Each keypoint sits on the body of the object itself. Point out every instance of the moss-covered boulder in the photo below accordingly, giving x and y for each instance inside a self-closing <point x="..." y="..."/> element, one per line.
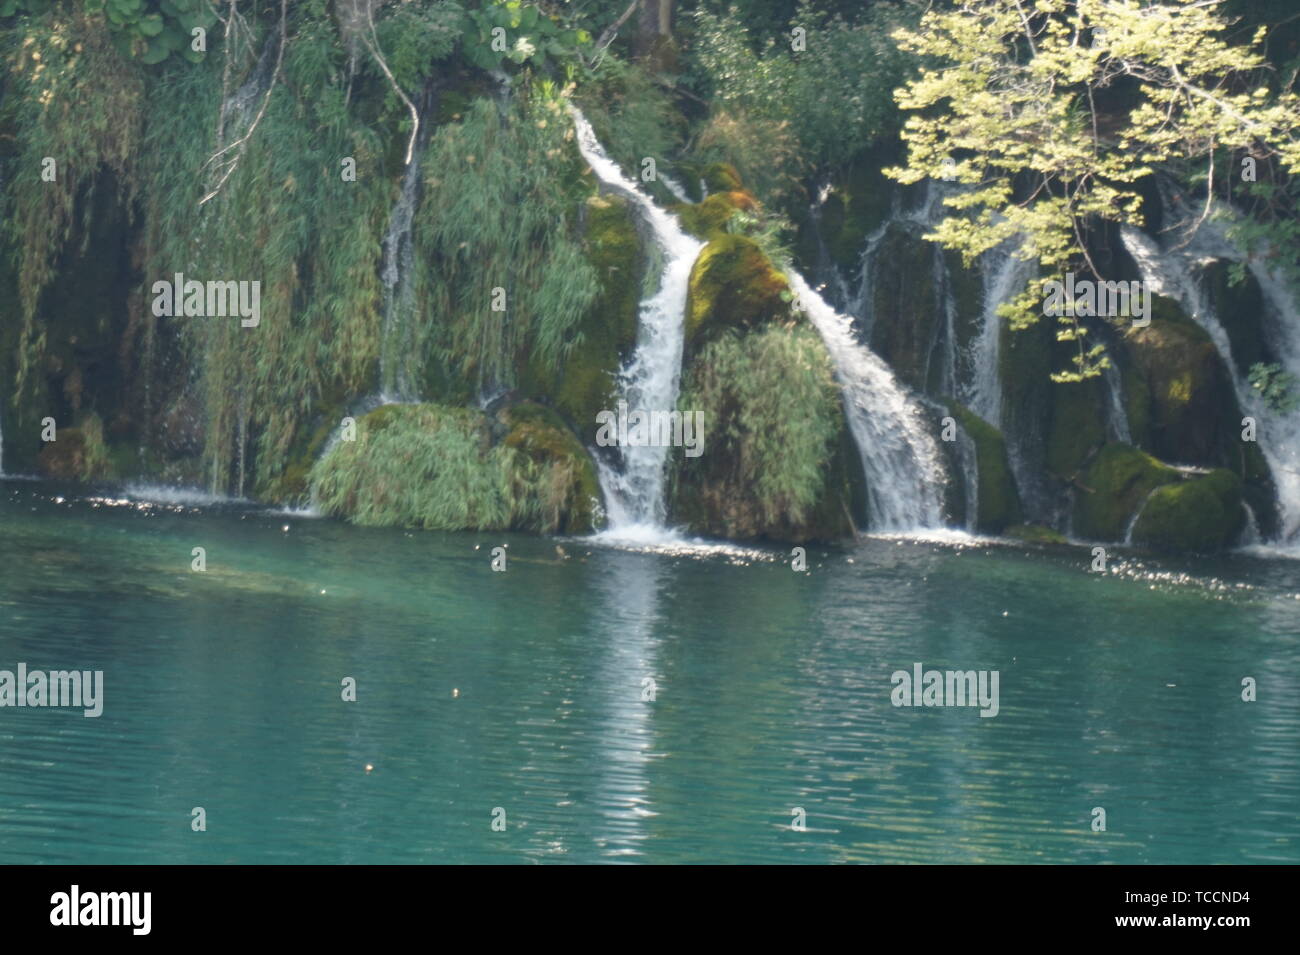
<point x="1182" y="406"/>
<point x="584" y="383"/>
<point x="708" y="220"/>
<point x="442" y="468"/>
<point x="777" y="461"/>
<point x="1115" y="484"/>
<point x="77" y="453"/>
<point x="1239" y="305"/>
<point x="1202" y="515"/>
<point x="714" y="177"/>
<point x="733" y="285"/>
<point x="570" y="499"/>
<point x="997" y="504"/>
<point x="907" y="312"/>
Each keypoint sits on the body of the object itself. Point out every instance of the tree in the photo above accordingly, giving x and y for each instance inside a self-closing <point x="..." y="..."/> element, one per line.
<point x="1051" y="112"/>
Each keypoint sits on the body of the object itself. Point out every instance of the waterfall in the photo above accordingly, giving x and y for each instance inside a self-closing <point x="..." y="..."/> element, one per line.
<point x="634" y="493"/>
<point x="1174" y="272"/>
<point x="675" y="187"/>
<point x="1116" y="416"/>
<point x="1004" y="275"/>
<point x="905" y="477"/>
<point x="397" y="344"/>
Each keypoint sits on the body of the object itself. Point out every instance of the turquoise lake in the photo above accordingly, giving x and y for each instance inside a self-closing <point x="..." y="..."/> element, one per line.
<point x="523" y="691"/>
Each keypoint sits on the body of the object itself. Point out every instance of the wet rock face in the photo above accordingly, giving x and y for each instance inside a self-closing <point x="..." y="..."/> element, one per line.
<point x="906" y="307"/>
<point x="1183" y="407"/>
<point x="997" y="503"/>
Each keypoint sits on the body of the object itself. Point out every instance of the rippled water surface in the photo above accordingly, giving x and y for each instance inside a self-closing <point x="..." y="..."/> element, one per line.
<point x="524" y="690"/>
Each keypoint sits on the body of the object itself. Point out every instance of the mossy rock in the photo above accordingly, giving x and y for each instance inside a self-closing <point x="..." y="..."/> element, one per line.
<point x="1077" y="426"/>
<point x="585" y="384"/>
<point x="774" y="470"/>
<point x="1201" y="515"/>
<point x="708" y="220"/>
<point x="1035" y="534"/>
<point x="716" y="177"/>
<point x="1116" y="483"/>
<point x="906" y="307"/>
<point x="1240" y="308"/>
<point x="77" y="453"/>
<point x="997" y="504"/>
<point x="542" y="435"/>
<point x="733" y="285"/>
<point x="441" y="468"/>
<point x="967" y="288"/>
<point x="857" y="204"/>
<point x="1184" y="405"/>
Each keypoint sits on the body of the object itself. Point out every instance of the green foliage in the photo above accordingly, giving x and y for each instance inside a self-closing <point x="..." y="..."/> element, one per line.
<point x="1278" y="388"/>
<point x="498" y="210"/>
<point x="415" y="38"/>
<point x="286" y="218"/>
<point x="526" y="32"/>
<point x="436" y="467"/>
<point x="71" y="98"/>
<point x="769" y="231"/>
<point x="633" y="116"/>
<point x="152" y="30"/>
<point x="1053" y="113"/>
<point x="788" y="109"/>
<point x="771" y="415"/>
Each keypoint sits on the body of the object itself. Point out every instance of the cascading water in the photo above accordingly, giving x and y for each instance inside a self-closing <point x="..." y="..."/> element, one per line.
<point x="1173" y="271"/>
<point x="1116" y="417"/>
<point x="905" y="476"/>
<point x="1004" y="275"/>
<point x="396" y="346"/>
<point x="634" y="494"/>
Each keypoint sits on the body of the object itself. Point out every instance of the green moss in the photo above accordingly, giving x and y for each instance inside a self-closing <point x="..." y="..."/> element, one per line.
<point x="1114" y="486"/>
<point x="1036" y="534"/>
<point x="583" y="383"/>
<point x="1199" y="515"/>
<point x="1077" y="427"/>
<point x="573" y="503"/>
<point x="707" y="220"/>
<point x="998" y="505"/>
<point x="1181" y="402"/>
<point x="717" y="177"/>
<point x="733" y="285"/>
<point x="439" y="468"/>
